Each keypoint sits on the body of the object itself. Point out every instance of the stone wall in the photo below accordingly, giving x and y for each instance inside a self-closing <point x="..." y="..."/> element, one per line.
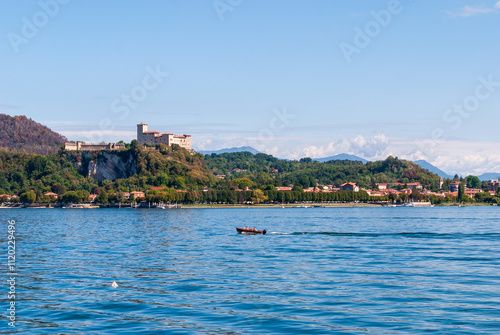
<point x="80" y="146"/>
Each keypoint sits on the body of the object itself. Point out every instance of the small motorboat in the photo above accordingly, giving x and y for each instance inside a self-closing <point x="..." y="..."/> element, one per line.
<point x="250" y="231"/>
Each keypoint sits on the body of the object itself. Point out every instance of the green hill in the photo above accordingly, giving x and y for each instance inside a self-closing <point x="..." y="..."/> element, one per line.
<point x="136" y="168"/>
<point x="262" y="168"/>
<point x="139" y="168"/>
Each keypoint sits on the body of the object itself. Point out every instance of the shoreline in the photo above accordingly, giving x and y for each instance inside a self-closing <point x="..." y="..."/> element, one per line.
<point x="309" y="205"/>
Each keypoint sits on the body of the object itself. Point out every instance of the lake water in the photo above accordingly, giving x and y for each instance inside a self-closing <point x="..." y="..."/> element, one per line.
<point x="317" y="271"/>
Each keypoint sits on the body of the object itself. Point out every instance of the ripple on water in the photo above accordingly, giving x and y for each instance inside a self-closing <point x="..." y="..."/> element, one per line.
<point x="321" y="270"/>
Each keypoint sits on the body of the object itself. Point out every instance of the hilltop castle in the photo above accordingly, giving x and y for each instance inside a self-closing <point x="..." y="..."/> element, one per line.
<point x="143" y="136"/>
<point x="154" y="137"/>
<point x="82" y="146"/>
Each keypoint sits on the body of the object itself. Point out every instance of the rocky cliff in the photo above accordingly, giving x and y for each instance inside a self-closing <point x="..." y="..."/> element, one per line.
<point x="108" y="165"/>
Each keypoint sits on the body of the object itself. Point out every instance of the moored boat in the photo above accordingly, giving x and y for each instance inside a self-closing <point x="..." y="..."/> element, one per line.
<point x="250" y="231"/>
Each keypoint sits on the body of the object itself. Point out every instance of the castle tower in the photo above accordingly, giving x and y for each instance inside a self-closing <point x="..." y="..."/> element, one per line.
<point x="141" y="128"/>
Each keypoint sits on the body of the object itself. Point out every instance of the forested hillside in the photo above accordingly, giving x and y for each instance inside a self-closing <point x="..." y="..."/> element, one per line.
<point x="262" y="168"/>
<point x="171" y="167"/>
<point x="140" y="168"/>
<point x="33" y="163"/>
<point x="19" y="132"/>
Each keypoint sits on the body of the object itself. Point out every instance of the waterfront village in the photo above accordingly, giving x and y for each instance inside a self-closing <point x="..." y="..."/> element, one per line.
<point x="382" y="193"/>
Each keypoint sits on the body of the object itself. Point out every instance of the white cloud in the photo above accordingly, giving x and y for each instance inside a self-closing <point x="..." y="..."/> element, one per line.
<point x="469" y="164"/>
<point x="470" y="11"/>
<point x="460" y="157"/>
<point x="368" y="147"/>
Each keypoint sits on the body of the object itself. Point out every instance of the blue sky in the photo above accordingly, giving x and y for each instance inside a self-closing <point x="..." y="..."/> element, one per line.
<point x="421" y="83"/>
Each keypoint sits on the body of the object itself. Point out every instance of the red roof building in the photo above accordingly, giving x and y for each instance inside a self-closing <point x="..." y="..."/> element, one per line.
<point x="157" y="188"/>
<point x="137" y="194"/>
<point x="349" y="187"/>
<point x="453" y="187"/>
<point x="283" y="188"/>
<point x="414" y="186"/>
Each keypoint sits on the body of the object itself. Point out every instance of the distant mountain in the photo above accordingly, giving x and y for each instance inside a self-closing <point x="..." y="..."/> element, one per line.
<point x="342" y="157"/>
<point x="489" y="176"/>
<point x="229" y="150"/>
<point x="433" y="169"/>
<point x="19" y="132"/>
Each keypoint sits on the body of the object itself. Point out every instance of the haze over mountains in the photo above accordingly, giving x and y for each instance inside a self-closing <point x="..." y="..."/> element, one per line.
<point x="342" y="157"/>
<point x="229" y="150"/>
<point x="432" y="168"/>
<point x="489" y="176"/>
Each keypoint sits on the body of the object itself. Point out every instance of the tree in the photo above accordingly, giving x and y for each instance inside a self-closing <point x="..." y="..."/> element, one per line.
<point x="473" y="182"/>
<point x="415" y="195"/>
<point x="134" y="144"/>
<point x="162" y="179"/>
<point x="120" y="197"/>
<point x="112" y="198"/>
<point x="84" y="195"/>
<point x="28" y="197"/>
<point x="258" y="196"/>
<point x="71" y="197"/>
<point x="179" y="183"/>
<point x="270" y="187"/>
<point x="102" y="198"/>
<point x="263" y="178"/>
<point x="58" y="188"/>
<point x="461" y="192"/>
<point x="306" y="160"/>
<point x="95" y="190"/>
<point x="243" y="182"/>
<point x="483" y="197"/>
<point x="404" y="197"/>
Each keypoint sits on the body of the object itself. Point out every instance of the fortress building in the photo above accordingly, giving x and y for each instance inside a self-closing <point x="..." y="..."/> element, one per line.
<point x="153" y="137"/>
<point x="82" y="146"/>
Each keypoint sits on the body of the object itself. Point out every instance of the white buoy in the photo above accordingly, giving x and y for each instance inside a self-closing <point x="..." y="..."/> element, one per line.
<point x="115" y="285"/>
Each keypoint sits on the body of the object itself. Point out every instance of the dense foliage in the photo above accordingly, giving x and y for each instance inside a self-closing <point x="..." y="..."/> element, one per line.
<point x="263" y="169"/>
<point x="65" y="171"/>
<point x="172" y="174"/>
<point x="32" y="164"/>
<point x="19" y="132"/>
<point x="21" y="172"/>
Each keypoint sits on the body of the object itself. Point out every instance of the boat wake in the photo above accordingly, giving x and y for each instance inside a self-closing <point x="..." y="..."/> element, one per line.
<point x="401" y="234"/>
